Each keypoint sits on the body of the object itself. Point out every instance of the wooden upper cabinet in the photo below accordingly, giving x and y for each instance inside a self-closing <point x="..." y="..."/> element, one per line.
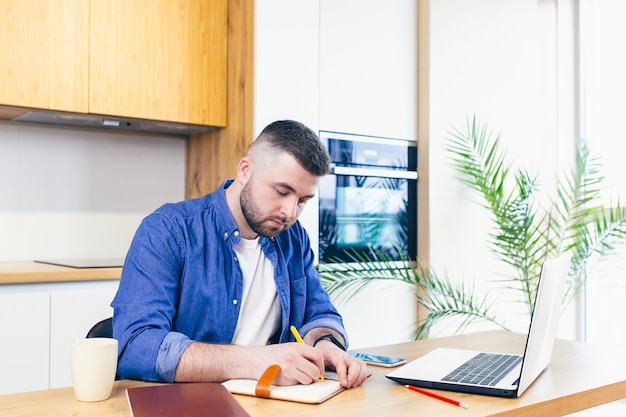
<point x="44" y="54"/>
<point x="159" y="60"/>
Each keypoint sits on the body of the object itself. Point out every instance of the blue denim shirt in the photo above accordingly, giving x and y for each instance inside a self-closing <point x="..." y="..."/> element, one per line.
<point x="181" y="282"/>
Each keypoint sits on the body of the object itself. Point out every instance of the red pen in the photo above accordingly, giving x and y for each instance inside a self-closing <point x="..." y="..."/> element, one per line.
<point x="437" y="396"/>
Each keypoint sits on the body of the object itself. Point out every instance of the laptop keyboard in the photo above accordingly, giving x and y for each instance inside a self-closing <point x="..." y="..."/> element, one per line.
<point x="484" y="369"/>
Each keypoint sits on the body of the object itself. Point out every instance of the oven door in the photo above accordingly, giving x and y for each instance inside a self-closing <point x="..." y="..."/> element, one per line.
<point x="365" y="211"/>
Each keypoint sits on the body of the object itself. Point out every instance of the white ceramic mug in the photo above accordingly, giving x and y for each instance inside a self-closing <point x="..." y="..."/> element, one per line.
<point x="94" y="364"/>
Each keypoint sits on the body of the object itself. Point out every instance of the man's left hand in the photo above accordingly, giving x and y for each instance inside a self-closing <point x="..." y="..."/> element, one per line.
<point x="351" y="371"/>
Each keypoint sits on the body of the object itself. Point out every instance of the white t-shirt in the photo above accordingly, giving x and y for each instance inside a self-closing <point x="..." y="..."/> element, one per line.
<point x="259" y="314"/>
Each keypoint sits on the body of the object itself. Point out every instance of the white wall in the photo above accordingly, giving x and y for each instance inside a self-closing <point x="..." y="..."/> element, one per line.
<point x="67" y="193"/>
<point x="497" y="67"/>
<point x="505" y="65"/>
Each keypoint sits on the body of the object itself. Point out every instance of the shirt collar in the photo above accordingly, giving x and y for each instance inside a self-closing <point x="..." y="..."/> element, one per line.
<point x="228" y="228"/>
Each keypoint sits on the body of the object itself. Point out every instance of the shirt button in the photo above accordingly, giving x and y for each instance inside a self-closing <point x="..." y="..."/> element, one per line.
<point x="226" y="235"/>
<point x="235" y="258"/>
<point x="235" y="301"/>
<point x="236" y="233"/>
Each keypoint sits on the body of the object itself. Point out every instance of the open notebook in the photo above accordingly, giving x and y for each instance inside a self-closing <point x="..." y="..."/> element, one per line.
<point x="314" y="393"/>
<point x="449" y="369"/>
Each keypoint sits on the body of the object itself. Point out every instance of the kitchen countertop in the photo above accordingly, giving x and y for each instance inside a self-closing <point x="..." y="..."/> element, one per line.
<point x="28" y="272"/>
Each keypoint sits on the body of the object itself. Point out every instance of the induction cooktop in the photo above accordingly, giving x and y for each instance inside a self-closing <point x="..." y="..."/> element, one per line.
<point x="85" y="262"/>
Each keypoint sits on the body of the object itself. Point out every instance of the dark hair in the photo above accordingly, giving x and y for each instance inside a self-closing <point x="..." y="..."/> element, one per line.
<point x="297" y="140"/>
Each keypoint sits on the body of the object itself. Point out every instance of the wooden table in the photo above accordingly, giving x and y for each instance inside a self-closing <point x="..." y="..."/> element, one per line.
<point x="580" y="376"/>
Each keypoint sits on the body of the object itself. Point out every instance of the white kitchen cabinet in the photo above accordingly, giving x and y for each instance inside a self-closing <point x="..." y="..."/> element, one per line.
<point x="368" y="67"/>
<point x="25" y="347"/>
<point x="39" y="322"/>
<point x="72" y="313"/>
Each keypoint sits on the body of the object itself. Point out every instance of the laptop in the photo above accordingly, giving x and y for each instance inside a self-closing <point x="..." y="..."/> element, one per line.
<point x="444" y="368"/>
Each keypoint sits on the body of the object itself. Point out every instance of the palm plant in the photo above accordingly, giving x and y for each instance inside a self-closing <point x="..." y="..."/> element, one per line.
<point x="524" y="233"/>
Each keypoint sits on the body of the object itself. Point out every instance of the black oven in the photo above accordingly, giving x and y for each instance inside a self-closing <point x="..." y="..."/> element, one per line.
<point x="368" y="203"/>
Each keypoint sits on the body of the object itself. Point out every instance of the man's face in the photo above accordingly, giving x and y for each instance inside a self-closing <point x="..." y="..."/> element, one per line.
<point x="275" y="195"/>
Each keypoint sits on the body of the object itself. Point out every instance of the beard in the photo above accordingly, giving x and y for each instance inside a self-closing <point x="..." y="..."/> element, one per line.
<point x="254" y="217"/>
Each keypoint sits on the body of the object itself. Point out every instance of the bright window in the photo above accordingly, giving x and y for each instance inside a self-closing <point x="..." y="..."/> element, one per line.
<point x="603" y="117"/>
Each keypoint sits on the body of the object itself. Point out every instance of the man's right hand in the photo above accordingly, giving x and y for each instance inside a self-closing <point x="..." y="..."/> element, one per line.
<point x="299" y="364"/>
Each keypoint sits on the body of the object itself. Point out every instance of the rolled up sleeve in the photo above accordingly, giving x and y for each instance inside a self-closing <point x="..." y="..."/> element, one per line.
<point x="170" y="351"/>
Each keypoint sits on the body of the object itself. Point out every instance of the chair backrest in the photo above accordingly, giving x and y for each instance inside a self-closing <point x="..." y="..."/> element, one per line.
<point x="103" y="328"/>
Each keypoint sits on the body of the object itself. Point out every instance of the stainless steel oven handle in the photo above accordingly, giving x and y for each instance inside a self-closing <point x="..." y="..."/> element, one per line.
<point x="374" y="172"/>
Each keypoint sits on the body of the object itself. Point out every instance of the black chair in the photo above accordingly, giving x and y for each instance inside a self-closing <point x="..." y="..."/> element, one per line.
<point x="103" y="328"/>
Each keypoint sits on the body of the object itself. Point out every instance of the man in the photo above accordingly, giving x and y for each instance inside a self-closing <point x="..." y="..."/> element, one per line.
<point x="211" y="286"/>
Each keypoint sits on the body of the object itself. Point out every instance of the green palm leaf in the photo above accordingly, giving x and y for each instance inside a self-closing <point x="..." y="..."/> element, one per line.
<point x="442" y="297"/>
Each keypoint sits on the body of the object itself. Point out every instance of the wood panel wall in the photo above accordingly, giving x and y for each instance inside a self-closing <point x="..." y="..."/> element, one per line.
<point x="211" y="157"/>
